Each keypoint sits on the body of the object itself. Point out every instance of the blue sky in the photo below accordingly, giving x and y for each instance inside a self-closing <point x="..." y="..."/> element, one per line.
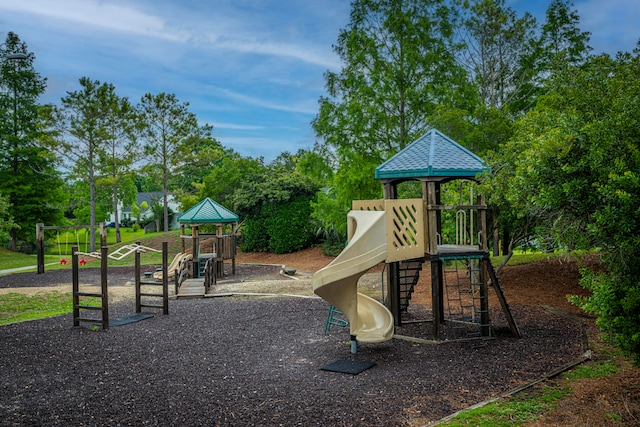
<point x="251" y="68"/>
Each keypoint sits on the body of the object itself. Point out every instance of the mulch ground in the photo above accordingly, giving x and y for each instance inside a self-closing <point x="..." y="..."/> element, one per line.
<point x="257" y="362"/>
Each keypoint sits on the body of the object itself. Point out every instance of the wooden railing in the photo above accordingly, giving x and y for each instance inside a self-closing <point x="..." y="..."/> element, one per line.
<point x="182" y="273"/>
<point x="209" y="274"/>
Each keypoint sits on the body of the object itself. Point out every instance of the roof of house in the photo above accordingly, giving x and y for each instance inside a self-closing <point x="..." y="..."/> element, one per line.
<point x="432" y="155"/>
<point x="208" y="212"/>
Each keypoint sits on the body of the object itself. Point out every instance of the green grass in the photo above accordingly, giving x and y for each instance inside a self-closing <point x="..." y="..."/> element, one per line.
<point x="15" y="307"/>
<point x="524" y="408"/>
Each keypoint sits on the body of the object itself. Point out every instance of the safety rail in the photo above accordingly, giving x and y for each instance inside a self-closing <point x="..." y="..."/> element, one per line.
<point x="210" y="276"/>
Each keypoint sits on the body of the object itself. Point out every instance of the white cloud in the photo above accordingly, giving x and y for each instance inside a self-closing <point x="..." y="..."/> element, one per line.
<point x="97" y="14"/>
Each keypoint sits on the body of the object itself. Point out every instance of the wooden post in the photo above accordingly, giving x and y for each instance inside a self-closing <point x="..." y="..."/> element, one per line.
<point x="137" y="280"/>
<point x="182" y="239"/>
<point x="75" y="284"/>
<point x="165" y="278"/>
<point x="485" y="320"/>
<point x="233" y="249"/>
<point x="194" y="251"/>
<point x="103" y="234"/>
<point x="40" y="247"/>
<point x="105" y="292"/>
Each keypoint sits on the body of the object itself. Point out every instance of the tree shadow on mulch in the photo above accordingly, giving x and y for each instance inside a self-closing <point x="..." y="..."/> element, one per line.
<point x="248" y="361"/>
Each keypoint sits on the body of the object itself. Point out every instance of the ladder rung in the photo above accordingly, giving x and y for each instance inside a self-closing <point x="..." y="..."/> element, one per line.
<point x="151" y="295"/>
<point x="88" y="294"/>
<point x="88" y="307"/>
<point x="151" y="306"/>
<point x="85" y="319"/>
<point x="151" y="283"/>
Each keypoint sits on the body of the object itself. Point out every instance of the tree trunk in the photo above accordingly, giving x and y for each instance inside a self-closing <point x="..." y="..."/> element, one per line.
<point x="115" y="210"/>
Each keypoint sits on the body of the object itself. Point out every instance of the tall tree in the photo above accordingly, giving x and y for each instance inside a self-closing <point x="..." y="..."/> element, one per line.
<point x="84" y="124"/>
<point x="498" y="46"/>
<point x="398" y="66"/>
<point x="166" y="125"/>
<point x="30" y="180"/>
<point x="561" y="38"/>
<point x="118" y="157"/>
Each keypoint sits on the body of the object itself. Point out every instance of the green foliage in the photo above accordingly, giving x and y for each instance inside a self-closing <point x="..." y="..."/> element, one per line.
<point x="30" y="180"/>
<point x="171" y="136"/>
<point x="288" y="226"/>
<point x="254" y="236"/>
<point x="574" y="166"/>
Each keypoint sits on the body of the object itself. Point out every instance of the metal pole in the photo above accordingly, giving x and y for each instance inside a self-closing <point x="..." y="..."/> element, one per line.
<point x="105" y="293"/>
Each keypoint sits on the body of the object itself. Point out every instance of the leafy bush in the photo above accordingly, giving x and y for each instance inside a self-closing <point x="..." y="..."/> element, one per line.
<point x="280" y="228"/>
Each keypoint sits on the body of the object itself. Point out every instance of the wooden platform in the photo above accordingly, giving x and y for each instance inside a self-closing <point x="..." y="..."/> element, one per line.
<point x="191" y="288"/>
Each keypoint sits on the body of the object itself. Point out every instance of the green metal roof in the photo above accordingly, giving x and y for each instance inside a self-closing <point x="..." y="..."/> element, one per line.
<point x="207" y="212"/>
<point x="432" y="155"/>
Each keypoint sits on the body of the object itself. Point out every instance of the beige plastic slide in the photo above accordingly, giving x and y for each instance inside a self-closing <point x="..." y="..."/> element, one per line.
<point x="369" y="320"/>
<point x="171" y="270"/>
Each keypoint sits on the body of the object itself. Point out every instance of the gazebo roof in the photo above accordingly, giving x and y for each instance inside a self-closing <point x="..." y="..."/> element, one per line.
<point x="432" y="155"/>
<point x="208" y="212"/>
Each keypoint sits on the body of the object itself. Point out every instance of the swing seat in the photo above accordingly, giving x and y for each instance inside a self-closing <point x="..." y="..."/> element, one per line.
<point x="63" y="261"/>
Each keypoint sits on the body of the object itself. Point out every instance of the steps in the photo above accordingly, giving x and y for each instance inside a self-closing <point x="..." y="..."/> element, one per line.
<point x="409" y="274"/>
<point x="191" y="288"/>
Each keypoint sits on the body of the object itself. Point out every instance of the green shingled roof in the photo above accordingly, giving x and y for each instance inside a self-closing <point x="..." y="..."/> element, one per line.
<point x="432" y="155"/>
<point x="207" y="212"/>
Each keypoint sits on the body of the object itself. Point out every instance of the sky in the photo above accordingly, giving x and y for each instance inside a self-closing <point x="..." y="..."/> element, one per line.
<point x="254" y="69"/>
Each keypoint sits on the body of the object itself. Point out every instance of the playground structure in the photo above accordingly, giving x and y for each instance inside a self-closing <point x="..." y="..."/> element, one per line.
<point x="40" y="229"/>
<point x="143" y="297"/>
<point x="206" y="260"/>
<point x="407" y="233"/>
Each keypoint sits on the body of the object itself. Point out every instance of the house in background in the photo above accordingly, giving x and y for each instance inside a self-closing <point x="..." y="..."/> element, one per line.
<point x="125" y="214"/>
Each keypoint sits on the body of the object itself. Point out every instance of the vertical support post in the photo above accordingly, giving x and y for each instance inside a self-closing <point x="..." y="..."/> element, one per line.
<point x="432" y="219"/>
<point x="137" y="280"/>
<point x="485" y="321"/>
<point x="194" y="251"/>
<point x="103" y="234"/>
<point x="105" y="292"/>
<point x="40" y="247"/>
<point x="75" y="284"/>
<point x="232" y="242"/>
<point x="165" y="277"/>
<point x="436" y="296"/>
<point x="182" y="238"/>
<point x="483" y="244"/>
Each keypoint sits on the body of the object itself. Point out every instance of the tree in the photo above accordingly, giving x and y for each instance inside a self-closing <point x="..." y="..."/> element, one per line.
<point x="399" y="65"/>
<point x="561" y="40"/>
<point x="230" y="173"/>
<point x="6" y="221"/>
<point x="578" y="170"/>
<point x="199" y="156"/>
<point x="497" y="49"/>
<point x="84" y="124"/>
<point x="166" y="125"/>
<point x="117" y="158"/>
<point x="30" y="180"/>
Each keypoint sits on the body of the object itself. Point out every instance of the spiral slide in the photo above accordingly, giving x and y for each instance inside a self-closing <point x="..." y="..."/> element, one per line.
<point x="369" y="320"/>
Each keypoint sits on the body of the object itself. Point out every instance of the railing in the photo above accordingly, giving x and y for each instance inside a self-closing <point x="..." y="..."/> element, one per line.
<point x="183" y="272"/>
<point x="209" y="274"/>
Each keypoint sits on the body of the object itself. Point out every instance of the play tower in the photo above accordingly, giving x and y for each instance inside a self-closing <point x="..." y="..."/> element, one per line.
<point x="448" y="241"/>
<point x="460" y="268"/>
